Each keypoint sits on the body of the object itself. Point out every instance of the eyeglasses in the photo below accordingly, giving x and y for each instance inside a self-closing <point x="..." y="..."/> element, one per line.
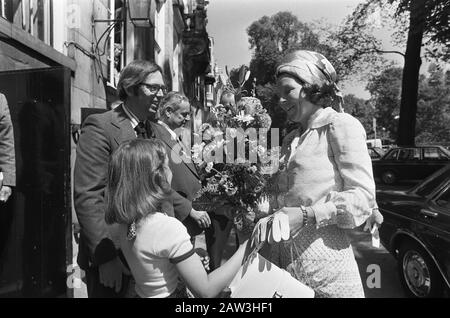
<point x="154" y="88"/>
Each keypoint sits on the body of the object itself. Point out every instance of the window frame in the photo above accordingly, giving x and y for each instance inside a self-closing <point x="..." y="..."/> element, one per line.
<point x="3" y="9"/>
<point x="110" y="57"/>
<point x="435" y="189"/>
<point x="439" y="194"/>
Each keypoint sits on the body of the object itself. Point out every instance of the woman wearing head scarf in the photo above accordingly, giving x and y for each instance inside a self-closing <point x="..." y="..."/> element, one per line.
<point x="328" y="182"/>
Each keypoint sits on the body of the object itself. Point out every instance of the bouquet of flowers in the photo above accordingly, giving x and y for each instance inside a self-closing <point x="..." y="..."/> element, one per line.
<point x="229" y="161"/>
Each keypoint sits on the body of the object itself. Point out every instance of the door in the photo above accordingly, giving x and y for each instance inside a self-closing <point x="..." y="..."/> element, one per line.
<point x="35" y="241"/>
<point x="437" y="233"/>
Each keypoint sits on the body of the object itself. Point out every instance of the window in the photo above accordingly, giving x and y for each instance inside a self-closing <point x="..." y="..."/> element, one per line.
<point x="432" y="154"/>
<point x="373" y="153"/>
<point x="392" y="155"/>
<point x="115" y="56"/>
<point x="3" y="9"/>
<point x="428" y="187"/>
<point x="34" y="17"/>
<point x="409" y="154"/>
<point x="42" y="21"/>
<point x="160" y="36"/>
<point x="442" y="155"/>
<point x="37" y="19"/>
<point x="6" y="9"/>
<point x="444" y="199"/>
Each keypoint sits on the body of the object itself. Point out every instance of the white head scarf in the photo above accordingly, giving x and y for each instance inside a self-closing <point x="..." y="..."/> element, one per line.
<point x="312" y="68"/>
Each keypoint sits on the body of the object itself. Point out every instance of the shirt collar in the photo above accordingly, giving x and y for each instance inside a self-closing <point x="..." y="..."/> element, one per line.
<point x="134" y="120"/>
<point x="171" y="132"/>
<point x="322" y="117"/>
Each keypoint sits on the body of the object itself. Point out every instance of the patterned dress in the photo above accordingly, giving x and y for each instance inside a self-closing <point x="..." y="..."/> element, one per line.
<point x="327" y="168"/>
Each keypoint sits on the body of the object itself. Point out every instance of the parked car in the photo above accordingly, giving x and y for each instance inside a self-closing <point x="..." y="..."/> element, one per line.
<point x="416" y="230"/>
<point x="410" y="163"/>
<point x="375" y="153"/>
<point x="374" y="143"/>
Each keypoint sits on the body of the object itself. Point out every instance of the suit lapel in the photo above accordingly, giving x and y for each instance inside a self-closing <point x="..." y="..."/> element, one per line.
<point x="122" y="129"/>
<point x="162" y="134"/>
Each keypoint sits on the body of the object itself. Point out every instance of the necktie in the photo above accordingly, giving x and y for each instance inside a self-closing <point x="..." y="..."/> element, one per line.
<point x="182" y="145"/>
<point x="141" y="132"/>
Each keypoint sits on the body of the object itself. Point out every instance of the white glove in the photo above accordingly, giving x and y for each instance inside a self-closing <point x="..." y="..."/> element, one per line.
<point x="372" y="224"/>
<point x="376" y="218"/>
<point x="273" y="228"/>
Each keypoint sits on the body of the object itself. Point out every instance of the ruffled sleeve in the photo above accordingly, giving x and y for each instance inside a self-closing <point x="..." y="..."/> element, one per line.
<point x="352" y="206"/>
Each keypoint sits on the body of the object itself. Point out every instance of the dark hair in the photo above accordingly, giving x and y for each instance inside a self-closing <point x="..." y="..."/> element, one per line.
<point x="134" y="74"/>
<point x="323" y="96"/>
<point x="172" y="101"/>
<point x="137" y="183"/>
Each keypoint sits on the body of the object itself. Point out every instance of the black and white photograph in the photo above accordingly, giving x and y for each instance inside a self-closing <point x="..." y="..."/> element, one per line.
<point x="235" y="150"/>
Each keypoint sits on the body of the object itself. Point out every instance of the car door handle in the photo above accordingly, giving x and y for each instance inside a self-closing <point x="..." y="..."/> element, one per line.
<point x="428" y="213"/>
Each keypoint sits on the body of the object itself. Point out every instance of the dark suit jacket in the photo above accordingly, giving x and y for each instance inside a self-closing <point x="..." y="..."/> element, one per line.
<point x="7" y="154"/>
<point x="100" y="136"/>
<point x="185" y="180"/>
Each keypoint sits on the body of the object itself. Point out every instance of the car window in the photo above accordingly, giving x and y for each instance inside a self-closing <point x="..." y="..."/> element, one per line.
<point x="392" y="155"/>
<point x="373" y="153"/>
<point x="432" y="183"/>
<point x="431" y="154"/>
<point x="409" y="154"/>
<point x="444" y="199"/>
<point x="442" y="155"/>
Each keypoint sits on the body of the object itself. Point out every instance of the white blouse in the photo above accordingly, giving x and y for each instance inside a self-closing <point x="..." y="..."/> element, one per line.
<point x="328" y="168"/>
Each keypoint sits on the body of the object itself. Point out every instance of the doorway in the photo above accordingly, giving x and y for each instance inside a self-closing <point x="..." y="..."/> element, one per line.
<point x="35" y="225"/>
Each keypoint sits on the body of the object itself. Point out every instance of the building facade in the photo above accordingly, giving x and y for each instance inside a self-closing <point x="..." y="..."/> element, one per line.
<point x="59" y="59"/>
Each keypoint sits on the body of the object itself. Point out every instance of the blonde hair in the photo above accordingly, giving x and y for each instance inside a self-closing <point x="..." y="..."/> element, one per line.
<point x="137" y="183"/>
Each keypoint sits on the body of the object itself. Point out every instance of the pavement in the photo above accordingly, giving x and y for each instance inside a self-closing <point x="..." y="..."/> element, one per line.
<point x="377" y="267"/>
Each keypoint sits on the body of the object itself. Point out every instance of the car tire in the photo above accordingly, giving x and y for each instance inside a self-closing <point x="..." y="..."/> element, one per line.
<point x="418" y="273"/>
<point x="388" y="177"/>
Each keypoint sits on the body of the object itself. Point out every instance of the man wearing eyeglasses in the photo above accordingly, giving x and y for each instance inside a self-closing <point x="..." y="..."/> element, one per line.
<point x="140" y="88"/>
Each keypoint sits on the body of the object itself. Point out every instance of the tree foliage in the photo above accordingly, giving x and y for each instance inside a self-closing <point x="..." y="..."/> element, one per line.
<point x="433" y="108"/>
<point x="363" y="111"/>
<point x="273" y="37"/>
<point x="385" y="89"/>
<point x="433" y="114"/>
<point x="427" y="25"/>
<point x="357" y="31"/>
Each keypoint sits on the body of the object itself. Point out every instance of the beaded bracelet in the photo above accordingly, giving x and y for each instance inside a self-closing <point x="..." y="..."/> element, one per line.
<point x="305" y="215"/>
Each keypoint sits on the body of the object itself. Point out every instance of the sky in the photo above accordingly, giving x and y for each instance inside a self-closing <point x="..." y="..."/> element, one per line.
<point x="229" y="19"/>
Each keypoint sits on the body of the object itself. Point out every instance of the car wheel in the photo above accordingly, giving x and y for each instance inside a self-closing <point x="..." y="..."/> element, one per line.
<point x="388" y="177"/>
<point x="418" y="274"/>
